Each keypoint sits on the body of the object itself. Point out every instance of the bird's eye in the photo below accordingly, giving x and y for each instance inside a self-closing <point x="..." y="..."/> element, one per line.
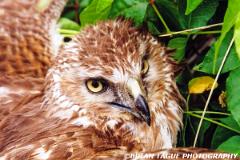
<point x="145" y="66"/>
<point x="96" y="85"/>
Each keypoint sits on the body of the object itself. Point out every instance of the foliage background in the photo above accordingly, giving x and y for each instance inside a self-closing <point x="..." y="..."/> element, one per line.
<point x="201" y="31"/>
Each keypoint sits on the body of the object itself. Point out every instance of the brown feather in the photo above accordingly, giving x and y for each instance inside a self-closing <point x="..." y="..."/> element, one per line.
<point x="25" y="36"/>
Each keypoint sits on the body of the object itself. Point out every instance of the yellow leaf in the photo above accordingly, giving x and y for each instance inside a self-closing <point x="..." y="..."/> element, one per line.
<point x="200" y="84"/>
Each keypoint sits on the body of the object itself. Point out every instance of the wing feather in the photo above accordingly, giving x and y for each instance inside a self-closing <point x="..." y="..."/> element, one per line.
<point x="28" y="36"/>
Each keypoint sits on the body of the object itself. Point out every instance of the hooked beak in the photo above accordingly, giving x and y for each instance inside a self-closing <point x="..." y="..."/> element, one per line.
<point x="143" y="109"/>
<point x="139" y="107"/>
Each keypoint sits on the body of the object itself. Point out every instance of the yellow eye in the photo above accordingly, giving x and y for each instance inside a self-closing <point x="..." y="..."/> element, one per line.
<point x="145" y="66"/>
<point x="95" y="85"/>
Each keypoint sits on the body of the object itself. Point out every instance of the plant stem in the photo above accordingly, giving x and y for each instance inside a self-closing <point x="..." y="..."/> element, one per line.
<point x="208" y="32"/>
<point x="215" y="122"/>
<point x="208" y="112"/>
<point x="211" y="92"/>
<point x="67" y="35"/>
<point x="192" y="29"/>
<point x="67" y="31"/>
<point x="185" y="121"/>
<point x="76" y="8"/>
<point x="187" y="103"/>
<point x="160" y="17"/>
<point x="201" y="32"/>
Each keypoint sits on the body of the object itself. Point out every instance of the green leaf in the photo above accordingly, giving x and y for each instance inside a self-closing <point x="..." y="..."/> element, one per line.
<point x="179" y="44"/>
<point x="205" y="126"/>
<point x="221" y="134"/>
<point x="84" y="3"/>
<point x="97" y="10"/>
<point x="202" y="14"/>
<point x="133" y="9"/>
<point x="152" y="28"/>
<point x="231" y="145"/>
<point x="171" y="14"/>
<point x="68" y="24"/>
<point x="232" y="62"/>
<point x="237" y="35"/>
<point x="233" y="90"/>
<point x="192" y="5"/>
<point x="69" y="15"/>
<point x="228" y="22"/>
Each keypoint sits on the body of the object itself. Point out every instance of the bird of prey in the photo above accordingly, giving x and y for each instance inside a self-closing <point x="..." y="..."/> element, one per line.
<point x="108" y="92"/>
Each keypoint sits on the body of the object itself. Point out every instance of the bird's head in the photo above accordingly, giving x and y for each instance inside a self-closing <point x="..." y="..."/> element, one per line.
<point x="113" y="71"/>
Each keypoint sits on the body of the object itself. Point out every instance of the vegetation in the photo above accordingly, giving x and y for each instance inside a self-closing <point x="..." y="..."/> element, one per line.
<point x="206" y="36"/>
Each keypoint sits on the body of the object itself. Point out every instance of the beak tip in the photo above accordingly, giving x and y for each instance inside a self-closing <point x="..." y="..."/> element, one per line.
<point x="148" y="120"/>
<point x="143" y="108"/>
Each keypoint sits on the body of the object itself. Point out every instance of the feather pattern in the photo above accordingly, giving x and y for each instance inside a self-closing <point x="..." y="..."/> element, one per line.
<point x="57" y="116"/>
<point x="57" y="122"/>
<point x="27" y="36"/>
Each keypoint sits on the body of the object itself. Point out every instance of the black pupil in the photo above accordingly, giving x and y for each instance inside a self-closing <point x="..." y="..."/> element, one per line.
<point x="95" y="84"/>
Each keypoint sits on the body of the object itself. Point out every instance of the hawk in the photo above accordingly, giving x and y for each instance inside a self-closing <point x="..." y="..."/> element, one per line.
<point x="109" y="91"/>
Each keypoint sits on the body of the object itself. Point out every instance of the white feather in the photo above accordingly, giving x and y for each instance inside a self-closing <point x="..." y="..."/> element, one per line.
<point x="4" y="91"/>
<point x="82" y="121"/>
<point x="42" y="154"/>
<point x="56" y="38"/>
